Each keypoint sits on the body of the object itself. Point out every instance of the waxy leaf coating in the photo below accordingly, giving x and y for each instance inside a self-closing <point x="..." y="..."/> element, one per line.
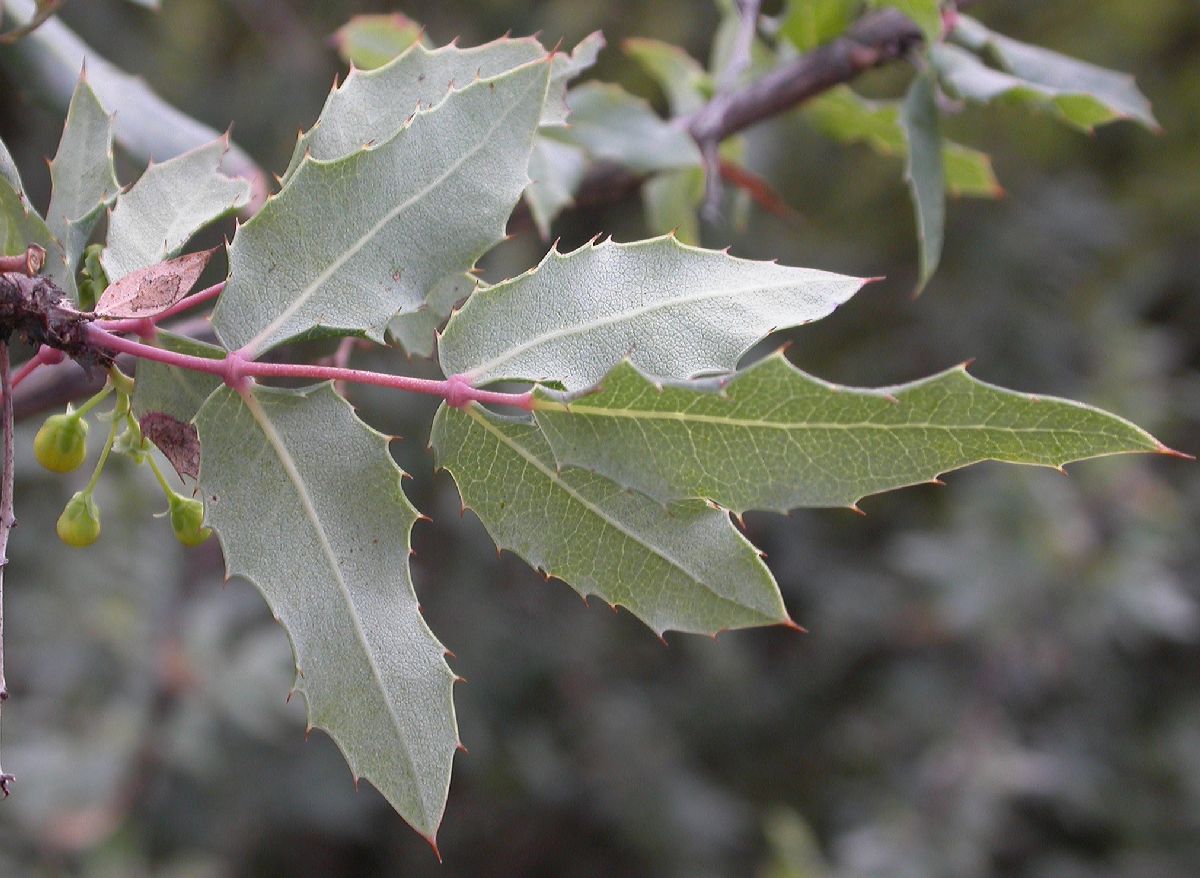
<point x="772" y="437"/>
<point x="684" y="568"/>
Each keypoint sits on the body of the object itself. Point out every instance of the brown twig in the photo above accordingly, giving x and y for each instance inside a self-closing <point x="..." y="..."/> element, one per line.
<point x="7" y="519"/>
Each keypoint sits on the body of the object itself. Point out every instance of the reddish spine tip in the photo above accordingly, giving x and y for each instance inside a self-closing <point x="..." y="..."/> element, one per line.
<point x="790" y="624"/>
<point x="1171" y="452"/>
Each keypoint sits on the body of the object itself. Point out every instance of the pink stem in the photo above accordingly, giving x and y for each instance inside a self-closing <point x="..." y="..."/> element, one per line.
<point x="45" y="356"/>
<point x="141" y="324"/>
<point x="235" y="369"/>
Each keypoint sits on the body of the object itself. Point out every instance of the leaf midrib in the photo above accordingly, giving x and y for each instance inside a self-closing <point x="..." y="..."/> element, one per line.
<point x="276" y="441"/>
<point x="251" y="348"/>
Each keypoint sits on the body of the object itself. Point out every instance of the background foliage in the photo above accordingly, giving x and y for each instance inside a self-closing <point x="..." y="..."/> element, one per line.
<point x="1001" y="676"/>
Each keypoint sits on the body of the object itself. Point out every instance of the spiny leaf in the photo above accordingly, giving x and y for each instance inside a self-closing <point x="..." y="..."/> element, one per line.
<point x="416" y="331"/>
<point x="8" y="170"/>
<point x="348" y="244"/>
<point x="21" y="226"/>
<point x="152" y="290"/>
<point x="685" y="568"/>
<point x="772" y="437"/>
<point x="174" y="391"/>
<point x="556" y="169"/>
<point x="308" y="505"/>
<point x="1116" y="93"/>
<point x="674" y="310"/>
<point x="843" y="115"/>
<point x="613" y="125"/>
<point x="169" y="204"/>
<point x="83" y="180"/>
<point x="925" y="172"/>
<point x="965" y="76"/>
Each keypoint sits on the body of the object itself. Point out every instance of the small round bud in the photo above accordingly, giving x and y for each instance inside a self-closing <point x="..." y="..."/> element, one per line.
<point x="187" y="520"/>
<point x="79" y="524"/>
<point x="61" y="443"/>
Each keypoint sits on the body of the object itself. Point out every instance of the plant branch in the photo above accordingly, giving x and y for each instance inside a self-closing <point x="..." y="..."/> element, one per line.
<point x="7" y="519"/>
<point x="235" y="370"/>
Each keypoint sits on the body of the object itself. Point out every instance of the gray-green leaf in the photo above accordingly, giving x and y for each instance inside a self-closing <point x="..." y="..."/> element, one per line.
<point x="772" y="437"/>
<point x="1100" y="95"/>
<point x="83" y="180"/>
<point x="348" y="244"/>
<point x="966" y="76"/>
<point x="178" y="392"/>
<point x="416" y="331"/>
<point x="685" y="568"/>
<point x="169" y="204"/>
<point x="674" y="310"/>
<point x="925" y="171"/>
<point x="556" y="169"/>
<point x="21" y="226"/>
<point x="615" y="126"/>
<point x="308" y="505"/>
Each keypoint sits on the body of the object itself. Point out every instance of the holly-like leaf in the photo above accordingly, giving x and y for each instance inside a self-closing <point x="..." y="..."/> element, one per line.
<point x="565" y="68"/>
<point x="370" y="41"/>
<point x="1086" y="95"/>
<point x="674" y="310"/>
<point x="152" y="290"/>
<point x="83" y="180"/>
<point x="348" y="244"/>
<point x="772" y="437"/>
<point x="416" y="331"/>
<point x="169" y="389"/>
<point x="684" y="568"/>
<point x="615" y="126"/>
<point x="681" y="77"/>
<point x="372" y="105"/>
<point x="308" y="505"/>
<point x="925" y="172"/>
<point x="21" y="226"/>
<point x="172" y="201"/>
<point x="556" y="169"/>
<point x="843" y="115"/>
<point x="967" y="77"/>
<point x="925" y="14"/>
<point x="8" y="170"/>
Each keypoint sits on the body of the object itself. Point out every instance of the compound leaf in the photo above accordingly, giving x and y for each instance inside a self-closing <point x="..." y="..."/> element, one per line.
<point x="772" y="437"/>
<point x="348" y="244"/>
<point x="684" y="568"/>
<point x="170" y="203"/>
<point x="308" y="505"/>
<point x="674" y="310"/>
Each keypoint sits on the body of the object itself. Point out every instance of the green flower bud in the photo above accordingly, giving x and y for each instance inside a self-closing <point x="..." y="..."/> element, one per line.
<point x="79" y="524"/>
<point x="187" y="520"/>
<point x="61" y="443"/>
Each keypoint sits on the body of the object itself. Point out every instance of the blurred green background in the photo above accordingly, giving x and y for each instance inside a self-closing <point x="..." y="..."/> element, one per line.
<point x="1002" y="675"/>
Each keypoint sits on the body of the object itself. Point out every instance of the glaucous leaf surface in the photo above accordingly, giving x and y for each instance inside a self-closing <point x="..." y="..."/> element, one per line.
<point x="966" y="76"/>
<point x="772" y="437"/>
<point x="20" y="226"/>
<point x="843" y="115"/>
<point x="308" y="505"/>
<point x="177" y="392"/>
<point x="683" y="568"/>
<point x="1117" y="92"/>
<point x="673" y="310"/>
<point x="8" y="170"/>
<point x="416" y="331"/>
<point x="615" y="126"/>
<point x="556" y="169"/>
<point x="170" y="203"/>
<point x="925" y="172"/>
<point x="348" y="244"/>
<point x="82" y="176"/>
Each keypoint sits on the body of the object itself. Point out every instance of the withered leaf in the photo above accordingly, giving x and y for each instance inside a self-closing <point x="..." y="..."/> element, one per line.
<point x="178" y="441"/>
<point x="152" y="290"/>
